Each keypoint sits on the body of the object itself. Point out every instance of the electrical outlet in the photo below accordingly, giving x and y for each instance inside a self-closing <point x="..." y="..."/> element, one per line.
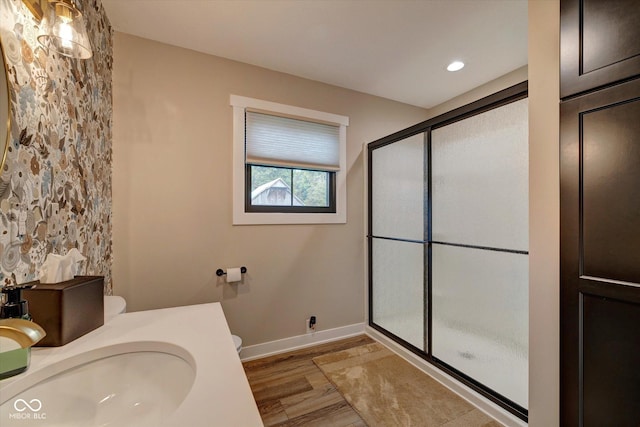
<point x="310" y="324"/>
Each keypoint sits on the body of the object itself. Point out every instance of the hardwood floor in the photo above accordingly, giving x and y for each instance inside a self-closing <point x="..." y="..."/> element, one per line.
<point x="290" y="390"/>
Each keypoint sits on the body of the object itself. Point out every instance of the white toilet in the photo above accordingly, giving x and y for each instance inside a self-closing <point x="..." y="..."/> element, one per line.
<point x="113" y="305"/>
<point x="238" y="343"/>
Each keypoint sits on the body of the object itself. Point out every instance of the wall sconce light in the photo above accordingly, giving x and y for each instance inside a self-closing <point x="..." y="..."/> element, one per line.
<point x="62" y="27"/>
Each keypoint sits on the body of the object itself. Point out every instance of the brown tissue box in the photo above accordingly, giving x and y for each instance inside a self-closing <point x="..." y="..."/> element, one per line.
<point x="66" y="310"/>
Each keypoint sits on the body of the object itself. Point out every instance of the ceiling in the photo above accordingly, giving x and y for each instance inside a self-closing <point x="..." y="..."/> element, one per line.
<point x="396" y="49"/>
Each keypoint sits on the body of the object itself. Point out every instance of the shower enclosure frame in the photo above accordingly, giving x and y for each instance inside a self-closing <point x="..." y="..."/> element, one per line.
<point x="498" y="99"/>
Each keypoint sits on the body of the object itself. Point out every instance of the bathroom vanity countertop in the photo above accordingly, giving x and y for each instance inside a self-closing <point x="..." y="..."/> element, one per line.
<point x="220" y="394"/>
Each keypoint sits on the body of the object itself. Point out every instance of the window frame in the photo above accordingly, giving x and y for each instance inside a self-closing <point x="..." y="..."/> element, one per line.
<point x="242" y="183"/>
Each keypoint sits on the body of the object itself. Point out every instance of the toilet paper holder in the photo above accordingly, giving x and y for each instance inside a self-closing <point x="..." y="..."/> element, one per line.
<point x="221" y="272"/>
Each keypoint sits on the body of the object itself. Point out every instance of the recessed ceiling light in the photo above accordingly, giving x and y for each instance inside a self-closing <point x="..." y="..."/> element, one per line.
<point x="455" y="66"/>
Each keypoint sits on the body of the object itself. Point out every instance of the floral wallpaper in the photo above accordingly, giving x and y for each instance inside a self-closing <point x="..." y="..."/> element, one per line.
<point x="55" y="187"/>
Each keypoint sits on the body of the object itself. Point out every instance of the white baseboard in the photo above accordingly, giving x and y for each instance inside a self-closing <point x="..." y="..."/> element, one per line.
<point x="482" y="403"/>
<point x="270" y="348"/>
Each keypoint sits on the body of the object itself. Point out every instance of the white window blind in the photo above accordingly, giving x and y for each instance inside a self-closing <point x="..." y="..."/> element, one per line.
<point x="286" y="142"/>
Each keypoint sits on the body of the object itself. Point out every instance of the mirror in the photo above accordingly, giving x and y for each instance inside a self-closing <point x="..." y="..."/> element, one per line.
<point x="4" y="109"/>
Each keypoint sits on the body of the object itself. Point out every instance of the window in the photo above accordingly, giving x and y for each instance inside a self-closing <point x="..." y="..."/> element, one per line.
<point x="282" y="177"/>
<point x="280" y="189"/>
<point x="289" y="164"/>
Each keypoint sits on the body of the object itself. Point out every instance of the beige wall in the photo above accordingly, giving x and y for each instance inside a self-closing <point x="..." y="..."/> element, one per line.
<point x="510" y="79"/>
<point x="172" y="146"/>
<point x="544" y="212"/>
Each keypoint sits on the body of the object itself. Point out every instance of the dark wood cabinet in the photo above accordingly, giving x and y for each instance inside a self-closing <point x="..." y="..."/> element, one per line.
<point x="600" y="213"/>
<point x="599" y="43"/>
<point x="600" y="257"/>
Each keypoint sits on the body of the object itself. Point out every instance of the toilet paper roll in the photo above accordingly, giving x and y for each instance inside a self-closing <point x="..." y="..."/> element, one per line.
<point x="233" y="274"/>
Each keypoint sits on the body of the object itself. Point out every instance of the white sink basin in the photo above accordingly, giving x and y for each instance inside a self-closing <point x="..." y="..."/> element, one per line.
<point x="133" y="384"/>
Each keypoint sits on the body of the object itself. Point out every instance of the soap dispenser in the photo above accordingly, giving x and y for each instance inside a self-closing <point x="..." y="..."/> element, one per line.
<point x="13" y="306"/>
<point x="17" y="332"/>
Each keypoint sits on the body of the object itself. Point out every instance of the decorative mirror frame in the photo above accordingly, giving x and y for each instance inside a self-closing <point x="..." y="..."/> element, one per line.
<point x="5" y="139"/>
<point x="37" y="7"/>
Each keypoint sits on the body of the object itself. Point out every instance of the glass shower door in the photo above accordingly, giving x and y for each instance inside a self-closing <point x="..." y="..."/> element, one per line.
<point x="397" y="239"/>
<point x="479" y="248"/>
<point x="448" y="235"/>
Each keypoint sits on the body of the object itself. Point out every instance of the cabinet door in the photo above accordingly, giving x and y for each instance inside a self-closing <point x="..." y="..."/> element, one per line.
<point x="600" y="258"/>
<point x="599" y="43"/>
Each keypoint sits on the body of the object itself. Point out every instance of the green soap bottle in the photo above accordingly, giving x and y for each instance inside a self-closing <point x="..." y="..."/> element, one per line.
<point x="17" y="332"/>
<point x="13" y="362"/>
